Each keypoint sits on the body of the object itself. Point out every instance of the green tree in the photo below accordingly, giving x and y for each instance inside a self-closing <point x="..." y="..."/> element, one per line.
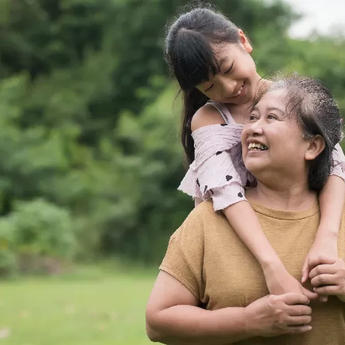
<point x="89" y="120"/>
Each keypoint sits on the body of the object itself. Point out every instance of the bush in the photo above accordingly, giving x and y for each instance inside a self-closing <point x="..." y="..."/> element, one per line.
<point x="36" y="236"/>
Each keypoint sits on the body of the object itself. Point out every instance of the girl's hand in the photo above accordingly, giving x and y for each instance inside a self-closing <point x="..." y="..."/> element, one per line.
<point x="327" y="247"/>
<point x="280" y="282"/>
<point x="328" y="277"/>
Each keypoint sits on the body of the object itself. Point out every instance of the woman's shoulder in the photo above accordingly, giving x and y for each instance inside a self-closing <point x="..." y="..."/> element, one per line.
<point x="198" y="221"/>
<point x="200" y="214"/>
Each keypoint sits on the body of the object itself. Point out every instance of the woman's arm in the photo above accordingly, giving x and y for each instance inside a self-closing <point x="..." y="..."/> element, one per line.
<point x="172" y="317"/>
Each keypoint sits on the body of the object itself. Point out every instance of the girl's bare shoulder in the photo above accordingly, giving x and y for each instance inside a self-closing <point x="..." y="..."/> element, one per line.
<point x="205" y="116"/>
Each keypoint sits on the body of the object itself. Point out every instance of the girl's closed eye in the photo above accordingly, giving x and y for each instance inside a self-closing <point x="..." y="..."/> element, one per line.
<point x="209" y="88"/>
<point x="230" y="69"/>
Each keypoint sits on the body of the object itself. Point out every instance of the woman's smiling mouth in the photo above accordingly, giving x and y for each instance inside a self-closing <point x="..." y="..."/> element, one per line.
<point x="257" y="147"/>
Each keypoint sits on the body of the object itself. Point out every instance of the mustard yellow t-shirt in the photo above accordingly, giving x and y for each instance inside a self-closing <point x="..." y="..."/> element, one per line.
<point x="209" y="259"/>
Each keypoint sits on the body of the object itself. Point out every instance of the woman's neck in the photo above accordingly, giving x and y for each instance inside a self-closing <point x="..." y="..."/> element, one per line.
<point x="294" y="197"/>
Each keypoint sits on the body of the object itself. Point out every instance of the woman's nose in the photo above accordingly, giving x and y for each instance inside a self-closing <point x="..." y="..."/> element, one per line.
<point x="254" y="129"/>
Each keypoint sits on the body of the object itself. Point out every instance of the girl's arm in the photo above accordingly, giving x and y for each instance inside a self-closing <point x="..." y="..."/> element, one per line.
<point x="241" y="215"/>
<point x="331" y="199"/>
<point x="244" y="221"/>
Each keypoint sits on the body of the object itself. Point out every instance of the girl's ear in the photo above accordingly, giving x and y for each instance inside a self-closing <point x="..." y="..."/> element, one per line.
<point x="244" y="41"/>
<point x="316" y="146"/>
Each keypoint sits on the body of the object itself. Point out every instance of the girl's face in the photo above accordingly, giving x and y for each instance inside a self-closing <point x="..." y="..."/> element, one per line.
<point x="237" y="79"/>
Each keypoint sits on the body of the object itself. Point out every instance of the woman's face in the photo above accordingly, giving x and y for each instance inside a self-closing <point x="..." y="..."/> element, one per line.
<point x="237" y="80"/>
<point x="272" y="140"/>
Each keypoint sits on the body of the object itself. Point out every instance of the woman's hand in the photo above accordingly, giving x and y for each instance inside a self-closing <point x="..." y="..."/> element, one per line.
<point x="325" y="247"/>
<point x="275" y="315"/>
<point x="279" y="282"/>
<point x="328" y="277"/>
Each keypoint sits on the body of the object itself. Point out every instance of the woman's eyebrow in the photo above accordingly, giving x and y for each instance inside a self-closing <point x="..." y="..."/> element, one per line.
<point x="269" y="108"/>
<point x="275" y="109"/>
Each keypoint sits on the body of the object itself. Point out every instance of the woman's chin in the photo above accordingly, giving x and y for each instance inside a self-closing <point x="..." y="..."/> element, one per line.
<point x="256" y="166"/>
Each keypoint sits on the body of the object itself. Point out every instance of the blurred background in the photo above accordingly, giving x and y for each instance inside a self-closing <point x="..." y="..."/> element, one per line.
<point x="90" y="156"/>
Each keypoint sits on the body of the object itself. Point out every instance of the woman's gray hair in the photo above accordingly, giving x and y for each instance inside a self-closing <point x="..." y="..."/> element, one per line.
<point x="317" y="112"/>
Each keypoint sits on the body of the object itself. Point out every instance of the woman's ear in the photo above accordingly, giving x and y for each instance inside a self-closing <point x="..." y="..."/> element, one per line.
<point x="244" y="41"/>
<point x="316" y="146"/>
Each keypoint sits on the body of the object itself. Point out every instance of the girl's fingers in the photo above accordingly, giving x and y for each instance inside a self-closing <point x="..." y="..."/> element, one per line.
<point x="305" y="272"/>
<point x="324" y="279"/>
<point x="311" y="295"/>
<point x="322" y="269"/>
<point x="321" y="260"/>
<point x="323" y="298"/>
<point x="327" y="290"/>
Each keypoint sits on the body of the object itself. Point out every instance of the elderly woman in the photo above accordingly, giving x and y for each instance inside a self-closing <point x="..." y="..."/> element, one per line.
<point x="210" y="289"/>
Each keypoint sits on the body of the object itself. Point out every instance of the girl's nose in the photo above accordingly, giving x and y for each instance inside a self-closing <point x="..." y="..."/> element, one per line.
<point x="229" y="87"/>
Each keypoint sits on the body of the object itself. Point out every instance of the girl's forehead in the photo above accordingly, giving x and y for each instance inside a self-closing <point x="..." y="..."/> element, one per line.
<point x="224" y="50"/>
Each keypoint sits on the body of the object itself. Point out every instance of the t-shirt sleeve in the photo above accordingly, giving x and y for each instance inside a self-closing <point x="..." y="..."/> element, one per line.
<point x="184" y="257"/>
<point x="338" y="162"/>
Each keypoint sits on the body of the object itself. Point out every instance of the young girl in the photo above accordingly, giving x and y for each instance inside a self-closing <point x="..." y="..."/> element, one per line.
<point x="210" y="58"/>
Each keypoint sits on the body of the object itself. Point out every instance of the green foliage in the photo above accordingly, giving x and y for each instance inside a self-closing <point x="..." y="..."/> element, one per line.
<point x="42" y="228"/>
<point x="8" y="262"/>
<point x="34" y="230"/>
<point x="322" y="58"/>
<point x="89" y="123"/>
<point x="148" y="179"/>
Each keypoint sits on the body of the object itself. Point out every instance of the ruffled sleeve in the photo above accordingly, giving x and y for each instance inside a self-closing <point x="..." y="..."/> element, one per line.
<point x="338" y="162"/>
<point x="213" y="173"/>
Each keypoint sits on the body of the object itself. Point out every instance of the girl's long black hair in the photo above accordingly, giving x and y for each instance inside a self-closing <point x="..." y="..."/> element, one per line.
<point x="191" y="59"/>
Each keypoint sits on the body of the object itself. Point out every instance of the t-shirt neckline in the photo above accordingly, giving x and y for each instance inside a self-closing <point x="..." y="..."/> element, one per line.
<point x="286" y="215"/>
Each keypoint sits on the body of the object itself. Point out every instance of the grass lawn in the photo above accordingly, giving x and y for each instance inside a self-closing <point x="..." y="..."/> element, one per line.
<point x="87" y="308"/>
